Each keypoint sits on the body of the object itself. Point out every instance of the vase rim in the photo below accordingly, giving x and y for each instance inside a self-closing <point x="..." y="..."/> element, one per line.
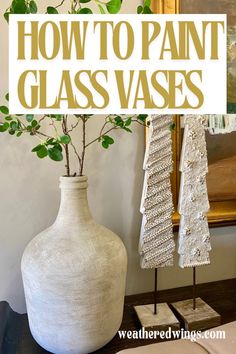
<point x="73" y="178"/>
<point x="79" y="182"/>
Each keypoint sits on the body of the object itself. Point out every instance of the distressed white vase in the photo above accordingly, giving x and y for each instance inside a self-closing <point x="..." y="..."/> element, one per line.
<point x="74" y="276"/>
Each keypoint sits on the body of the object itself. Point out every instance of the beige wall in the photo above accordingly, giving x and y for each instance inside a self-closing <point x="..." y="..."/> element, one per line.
<point x="29" y="198"/>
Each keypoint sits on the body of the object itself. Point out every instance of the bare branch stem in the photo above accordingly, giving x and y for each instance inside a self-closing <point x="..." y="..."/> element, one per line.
<point x="83" y="146"/>
<point x="66" y="147"/>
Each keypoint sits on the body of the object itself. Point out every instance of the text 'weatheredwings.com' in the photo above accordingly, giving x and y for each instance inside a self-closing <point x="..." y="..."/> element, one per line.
<point x="193" y="336"/>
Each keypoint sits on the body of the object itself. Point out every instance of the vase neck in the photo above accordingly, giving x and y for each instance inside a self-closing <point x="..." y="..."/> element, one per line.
<point x="74" y="201"/>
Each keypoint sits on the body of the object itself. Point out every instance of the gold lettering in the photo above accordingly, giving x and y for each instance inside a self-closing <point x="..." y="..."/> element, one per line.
<point x="84" y="89"/>
<point x="22" y="89"/>
<point x="43" y="91"/>
<point x="146" y="38"/>
<point x="143" y="86"/>
<point x="67" y="87"/>
<point x="117" y="39"/>
<point x="194" y="89"/>
<point x="22" y="37"/>
<point x="103" y="25"/>
<point x="169" y="42"/>
<point x="43" y="40"/>
<point x="74" y="37"/>
<point x="124" y="93"/>
<point x="99" y="88"/>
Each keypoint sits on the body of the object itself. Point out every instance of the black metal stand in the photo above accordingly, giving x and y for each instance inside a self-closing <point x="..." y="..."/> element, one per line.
<point x="195" y="313"/>
<point x="156" y="315"/>
<point x="194" y="288"/>
<point x="155" y="293"/>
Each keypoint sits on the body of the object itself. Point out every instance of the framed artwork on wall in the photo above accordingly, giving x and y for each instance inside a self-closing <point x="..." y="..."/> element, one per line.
<point x="221" y="147"/>
<point x="220" y="7"/>
<point x="210" y="7"/>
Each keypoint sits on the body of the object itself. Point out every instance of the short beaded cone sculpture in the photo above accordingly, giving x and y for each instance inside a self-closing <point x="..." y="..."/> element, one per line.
<point x="74" y="276"/>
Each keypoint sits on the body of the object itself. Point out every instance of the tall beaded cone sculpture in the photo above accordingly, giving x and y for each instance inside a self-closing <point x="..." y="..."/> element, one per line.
<point x="156" y="244"/>
<point x="156" y="240"/>
<point x="194" y="236"/>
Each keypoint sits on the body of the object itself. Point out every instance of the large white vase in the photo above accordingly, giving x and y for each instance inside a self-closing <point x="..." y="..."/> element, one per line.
<point x="74" y="276"/>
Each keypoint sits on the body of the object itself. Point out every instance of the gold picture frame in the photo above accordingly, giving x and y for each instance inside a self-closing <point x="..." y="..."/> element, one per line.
<point x="222" y="212"/>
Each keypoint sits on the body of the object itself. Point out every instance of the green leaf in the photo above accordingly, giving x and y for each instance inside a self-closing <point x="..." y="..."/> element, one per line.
<point x="29" y="117"/>
<point x="65" y="139"/>
<point x="127" y="130"/>
<point x="4" y="110"/>
<point x="147" y="3"/>
<point x="33" y="7"/>
<point x="113" y="6"/>
<point x="51" y="10"/>
<point x="128" y="122"/>
<point x="19" y="134"/>
<point x="119" y="121"/>
<point x="58" y="146"/>
<point x="7" y="97"/>
<point x="37" y="148"/>
<point x="19" y="7"/>
<point x="105" y="144"/>
<point x="4" y="127"/>
<point x="85" y="10"/>
<point x="147" y="10"/>
<point x="55" y="153"/>
<point x="34" y="123"/>
<point x="84" y="1"/>
<point x="50" y="141"/>
<point x="101" y="9"/>
<point x="8" y="118"/>
<point x="14" y="125"/>
<point x="6" y="16"/>
<point x="142" y="117"/>
<point x="108" y="139"/>
<point x="172" y="127"/>
<point x="58" y="117"/>
<point x="42" y="152"/>
<point x="139" y="9"/>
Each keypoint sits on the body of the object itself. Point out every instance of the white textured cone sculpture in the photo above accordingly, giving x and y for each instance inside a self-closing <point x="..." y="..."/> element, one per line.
<point x="156" y="244"/>
<point x="74" y="277"/>
<point x="194" y="235"/>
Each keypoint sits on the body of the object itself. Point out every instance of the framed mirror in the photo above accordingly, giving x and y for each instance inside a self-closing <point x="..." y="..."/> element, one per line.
<point x="221" y="180"/>
<point x="221" y="148"/>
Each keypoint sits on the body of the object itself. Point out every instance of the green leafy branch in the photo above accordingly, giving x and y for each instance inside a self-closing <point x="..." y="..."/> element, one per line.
<point x="60" y="141"/>
<point x="76" y="7"/>
<point x="52" y="145"/>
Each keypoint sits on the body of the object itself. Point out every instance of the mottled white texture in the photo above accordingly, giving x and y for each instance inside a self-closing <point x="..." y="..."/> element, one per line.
<point x="194" y="236"/>
<point x="156" y="245"/>
<point x="74" y="278"/>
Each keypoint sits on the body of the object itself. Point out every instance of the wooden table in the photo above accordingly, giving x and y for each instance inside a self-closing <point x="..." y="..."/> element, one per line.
<point x="15" y="337"/>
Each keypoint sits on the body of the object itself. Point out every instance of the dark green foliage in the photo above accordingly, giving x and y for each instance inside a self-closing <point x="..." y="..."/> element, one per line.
<point x="113" y="6"/>
<point x="52" y="10"/>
